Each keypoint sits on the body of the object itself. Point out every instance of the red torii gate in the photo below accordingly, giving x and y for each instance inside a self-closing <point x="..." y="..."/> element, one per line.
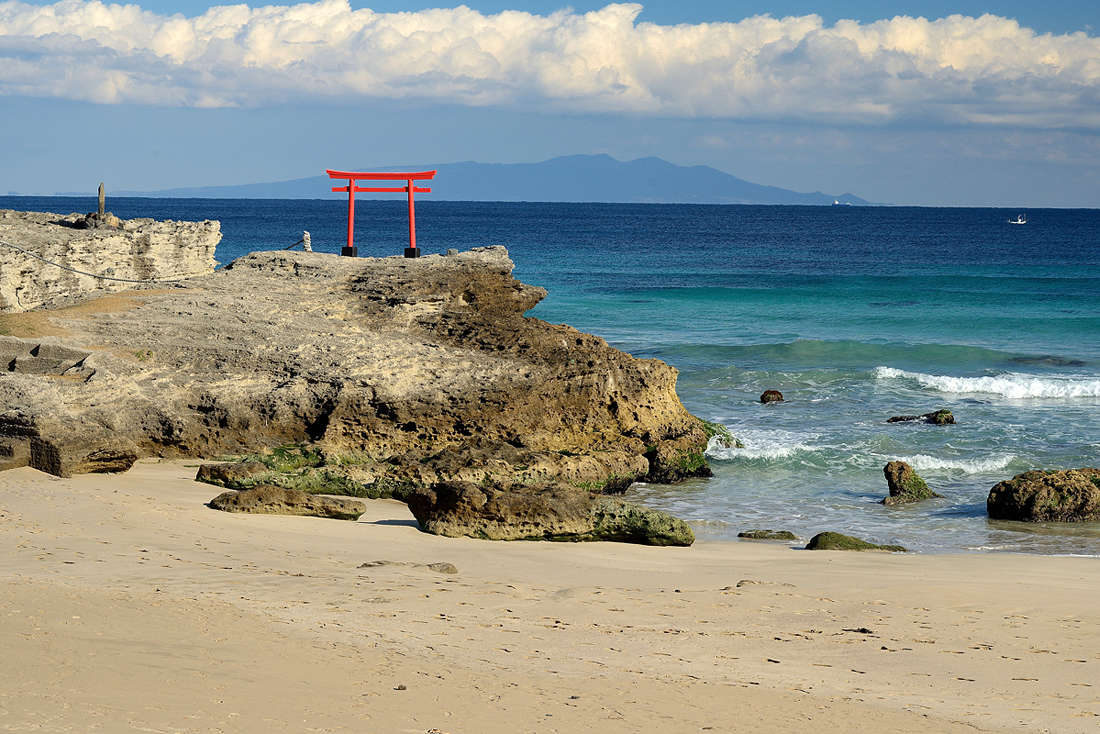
<point x="412" y="250"/>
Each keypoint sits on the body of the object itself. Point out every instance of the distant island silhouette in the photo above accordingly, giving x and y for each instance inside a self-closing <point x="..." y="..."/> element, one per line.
<point x="573" y="178"/>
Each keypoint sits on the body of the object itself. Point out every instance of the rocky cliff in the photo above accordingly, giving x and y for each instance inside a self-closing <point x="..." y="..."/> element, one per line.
<point x="135" y="249"/>
<point x="404" y="370"/>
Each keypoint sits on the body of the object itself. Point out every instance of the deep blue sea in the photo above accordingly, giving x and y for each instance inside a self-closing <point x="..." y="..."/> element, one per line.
<point x="855" y="313"/>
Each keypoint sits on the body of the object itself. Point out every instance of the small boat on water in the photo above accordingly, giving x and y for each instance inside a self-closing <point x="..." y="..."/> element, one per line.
<point x="1020" y="219"/>
<point x="836" y="202"/>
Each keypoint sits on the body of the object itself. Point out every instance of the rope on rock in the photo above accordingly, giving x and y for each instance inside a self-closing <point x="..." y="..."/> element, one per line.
<point x="304" y="241"/>
<point x="81" y="272"/>
<point x="307" y="246"/>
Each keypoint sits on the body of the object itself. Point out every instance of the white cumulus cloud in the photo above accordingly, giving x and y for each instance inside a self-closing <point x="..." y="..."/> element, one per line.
<point x="954" y="70"/>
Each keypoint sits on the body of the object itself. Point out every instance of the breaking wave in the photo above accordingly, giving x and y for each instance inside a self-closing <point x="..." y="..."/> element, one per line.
<point x="985" y="465"/>
<point x="1008" y="385"/>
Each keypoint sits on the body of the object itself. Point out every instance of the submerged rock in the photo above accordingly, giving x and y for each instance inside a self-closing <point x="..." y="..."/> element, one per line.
<point x="942" y="417"/>
<point x="718" y="436"/>
<point x="771" y="396"/>
<point x="905" y="484"/>
<point x="267" y="499"/>
<point x="1072" y="495"/>
<point x="837" y="541"/>
<point x="540" y="512"/>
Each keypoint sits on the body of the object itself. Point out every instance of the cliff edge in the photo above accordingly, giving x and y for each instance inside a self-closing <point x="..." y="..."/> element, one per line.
<point x="126" y="249"/>
<point x="408" y="370"/>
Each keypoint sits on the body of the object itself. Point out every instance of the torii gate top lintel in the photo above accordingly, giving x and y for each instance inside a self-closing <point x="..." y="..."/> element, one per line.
<point x="412" y="250"/>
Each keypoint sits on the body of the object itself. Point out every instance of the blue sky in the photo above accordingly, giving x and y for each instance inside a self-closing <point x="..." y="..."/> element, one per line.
<point x="927" y="103"/>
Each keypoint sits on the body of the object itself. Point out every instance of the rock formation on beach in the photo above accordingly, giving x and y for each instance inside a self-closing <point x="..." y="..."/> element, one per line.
<point x="498" y="511"/>
<point x="408" y="371"/>
<point x="134" y="249"/>
<point x="1072" y="495"/>
<point x="267" y="499"/>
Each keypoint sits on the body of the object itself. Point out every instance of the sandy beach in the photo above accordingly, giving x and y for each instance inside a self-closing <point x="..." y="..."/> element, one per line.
<point x="129" y="605"/>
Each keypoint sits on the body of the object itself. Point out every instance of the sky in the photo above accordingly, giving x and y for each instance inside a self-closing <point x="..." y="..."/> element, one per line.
<point x="964" y="103"/>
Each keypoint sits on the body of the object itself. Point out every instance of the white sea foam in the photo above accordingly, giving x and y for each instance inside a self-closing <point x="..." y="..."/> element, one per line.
<point x="763" y="445"/>
<point x="925" y="463"/>
<point x="1009" y="385"/>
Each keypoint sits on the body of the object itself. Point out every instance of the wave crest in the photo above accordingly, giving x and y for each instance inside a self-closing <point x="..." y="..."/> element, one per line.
<point x="984" y="465"/>
<point x="1008" y="385"/>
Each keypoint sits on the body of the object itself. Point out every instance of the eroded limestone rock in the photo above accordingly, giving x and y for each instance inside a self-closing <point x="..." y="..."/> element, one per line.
<point x="406" y="371"/>
<point x="540" y="512"/>
<point x="267" y="499"/>
<point x="135" y="249"/>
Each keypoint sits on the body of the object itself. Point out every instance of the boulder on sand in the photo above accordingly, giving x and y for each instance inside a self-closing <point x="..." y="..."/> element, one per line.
<point x="839" y="541"/>
<point x="267" y="499"/>
<point x="1072" y="495"/>
<point x="496" y="511"/>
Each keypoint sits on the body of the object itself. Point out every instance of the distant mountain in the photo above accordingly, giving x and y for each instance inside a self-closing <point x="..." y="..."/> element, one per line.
<point x="574" y="178"/>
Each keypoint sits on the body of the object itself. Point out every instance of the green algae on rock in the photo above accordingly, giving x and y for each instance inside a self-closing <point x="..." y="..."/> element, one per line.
<point x="905" y="484"/>
<point x="838" y="541"/>
<point x="495" y="511"/>
<point x="1072" y="495"/>
<point x="767" y="535"/>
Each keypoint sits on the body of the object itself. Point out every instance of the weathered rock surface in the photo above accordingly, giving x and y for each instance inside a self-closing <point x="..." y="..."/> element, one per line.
<point x="942" y="417"/>
<point x="767" y="535"/>
<point x="267" y="499"/>
<point x="771" y="396"/>
<point x="1072" y="495"/>
<point x="229" y="475"/>
<point x="135" y="249"/>
<point x="838" y="541"/>
<point x="413" y="370"/>
<point x="540" y="512"/>
<point x="905" y="484"/>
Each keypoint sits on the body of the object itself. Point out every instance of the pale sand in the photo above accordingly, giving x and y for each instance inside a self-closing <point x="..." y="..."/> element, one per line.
<point x="128" y="605"/>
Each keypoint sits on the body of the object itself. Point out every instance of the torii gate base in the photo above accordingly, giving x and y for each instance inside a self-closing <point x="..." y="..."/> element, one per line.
<point x="351" y="250"/>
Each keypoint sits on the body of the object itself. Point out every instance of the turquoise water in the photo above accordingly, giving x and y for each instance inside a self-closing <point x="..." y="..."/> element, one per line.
<point x="856" y="314"/>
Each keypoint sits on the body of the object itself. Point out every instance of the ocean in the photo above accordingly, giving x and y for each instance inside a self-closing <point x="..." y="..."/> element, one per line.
<point x="855" y="314"/>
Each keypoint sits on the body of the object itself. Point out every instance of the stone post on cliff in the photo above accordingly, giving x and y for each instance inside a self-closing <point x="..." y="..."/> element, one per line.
<point x="102" y="201"/>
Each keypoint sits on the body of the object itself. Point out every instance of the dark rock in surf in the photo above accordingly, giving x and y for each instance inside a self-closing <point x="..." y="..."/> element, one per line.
<point x="940" y="417"/>
<point x="1072" y="495"/>
<point x="771" y="396"/>
<point x="905" y="484"/>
